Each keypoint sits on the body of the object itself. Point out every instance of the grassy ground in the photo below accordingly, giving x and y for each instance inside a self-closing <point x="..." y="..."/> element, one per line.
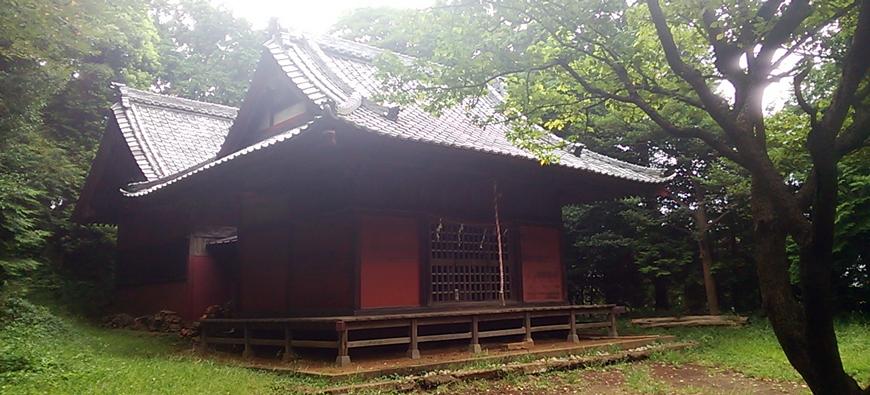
<point x="42" y="353"/>
<point x="754" y="351"/>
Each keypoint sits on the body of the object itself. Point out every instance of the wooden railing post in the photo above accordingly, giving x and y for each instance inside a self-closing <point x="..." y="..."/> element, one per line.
<point x="527" y="323"/>
<point x="249" y="352"/>
<point x="413" y="351"/>
<point x="343" y="359"/>
<point x="288" y="344"/>
<point x="612" y="317"/>
<point x="203" y="344"/>
<point x="475" y="338"/>
<point x="572" y="335"/>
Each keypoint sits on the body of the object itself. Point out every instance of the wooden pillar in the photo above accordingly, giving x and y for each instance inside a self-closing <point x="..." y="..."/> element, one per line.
<point x="527" y="323"/>
<point x="203" y="344"/>
<point x="572" y="335"/>
<point x="413" y="351"/>
<point x="612" y="317"/>
<point x="343" y="359"/>
<point x="475" y="338"/>
<point x="249" y="352"/>
<point x="288" y="344"/>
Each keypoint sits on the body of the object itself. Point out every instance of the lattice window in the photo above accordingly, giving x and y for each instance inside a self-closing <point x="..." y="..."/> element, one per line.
<point x="464" y="261"/>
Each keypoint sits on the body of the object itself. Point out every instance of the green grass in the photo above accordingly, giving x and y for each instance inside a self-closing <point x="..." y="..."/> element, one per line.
<point x="68" y="356"/>
<point x="41" y="352"/>
<point x="754" y="351"/>
<point x="639" y="380"/>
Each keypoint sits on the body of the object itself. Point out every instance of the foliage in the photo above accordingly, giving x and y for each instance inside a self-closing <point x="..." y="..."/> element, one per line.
<point x="54" y="95"/>
<point x="55" y="75"/>
<point x="206" y="53"/>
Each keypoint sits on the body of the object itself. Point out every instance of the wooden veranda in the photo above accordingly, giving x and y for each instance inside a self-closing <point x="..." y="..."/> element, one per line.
<point x="343" y="333"/>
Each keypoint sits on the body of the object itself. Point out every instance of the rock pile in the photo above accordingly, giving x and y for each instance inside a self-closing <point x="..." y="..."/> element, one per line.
<point x="166" y="321"/>
<point x="162" y="321"/>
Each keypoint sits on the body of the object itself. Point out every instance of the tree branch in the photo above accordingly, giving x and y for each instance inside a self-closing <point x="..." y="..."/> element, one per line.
<point x="854" y="72"/>
<point x="692" y="132"/>
<point x="716" y="106"/>
<point x="810" y="110"/>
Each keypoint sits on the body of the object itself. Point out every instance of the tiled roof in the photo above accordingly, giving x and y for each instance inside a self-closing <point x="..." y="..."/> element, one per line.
<point x="174" y="139"/>
<point x="341" y="73"/>
<point x="168" y="135"/>
<point x="144" y="188"/>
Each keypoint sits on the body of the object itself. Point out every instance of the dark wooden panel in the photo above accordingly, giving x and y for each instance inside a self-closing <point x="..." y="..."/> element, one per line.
<point x="320" y="278"/>
<point x="541" y="264"/>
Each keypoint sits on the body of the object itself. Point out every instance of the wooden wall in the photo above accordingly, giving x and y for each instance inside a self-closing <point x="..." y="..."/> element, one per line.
<point x="541" y="263"/>
<point x="389" y="249"/>
<point x="321" y="266"/>
<point x="155" y="244"/>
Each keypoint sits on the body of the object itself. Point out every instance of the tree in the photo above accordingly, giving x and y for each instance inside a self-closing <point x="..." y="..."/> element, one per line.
<point x="207" y="54"/>
<point x="655" y="59"/>
<point x="56" y="59"/>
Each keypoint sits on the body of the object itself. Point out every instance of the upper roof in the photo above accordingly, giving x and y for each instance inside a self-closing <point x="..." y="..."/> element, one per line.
<point x="167" y="134"/>
<point x="329" y="69"/>
<point x="175" y="139"/>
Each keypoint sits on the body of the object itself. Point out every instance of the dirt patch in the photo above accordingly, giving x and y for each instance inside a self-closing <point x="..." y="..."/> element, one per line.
<point x="629" y="379"/>
<point x="719" y="382"/>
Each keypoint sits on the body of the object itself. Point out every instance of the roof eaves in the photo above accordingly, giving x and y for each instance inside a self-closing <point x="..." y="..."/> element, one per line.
<point x="146" y="188"/>
<point x="135" y="141"/>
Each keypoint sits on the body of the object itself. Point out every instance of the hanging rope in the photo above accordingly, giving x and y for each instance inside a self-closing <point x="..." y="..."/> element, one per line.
<point x="495" y="197"/>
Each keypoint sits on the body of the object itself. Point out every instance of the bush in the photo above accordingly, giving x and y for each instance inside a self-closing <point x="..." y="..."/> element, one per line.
<point x="23" y="327"/>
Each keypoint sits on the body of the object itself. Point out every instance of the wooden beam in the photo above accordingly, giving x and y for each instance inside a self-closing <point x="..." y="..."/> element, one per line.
<point x="379" y="342"/>
<point x="448" y="336"/>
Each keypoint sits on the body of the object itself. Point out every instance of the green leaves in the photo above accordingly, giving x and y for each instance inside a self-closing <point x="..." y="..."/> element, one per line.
<point x="205" y="52"/>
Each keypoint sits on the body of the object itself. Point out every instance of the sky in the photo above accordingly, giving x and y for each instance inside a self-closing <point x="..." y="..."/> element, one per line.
<point x="310" y="16"/>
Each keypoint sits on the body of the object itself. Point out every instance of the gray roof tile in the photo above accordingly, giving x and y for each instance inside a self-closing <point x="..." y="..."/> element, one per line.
<point x="342" y="69"/>
<point x="168" y="135"/>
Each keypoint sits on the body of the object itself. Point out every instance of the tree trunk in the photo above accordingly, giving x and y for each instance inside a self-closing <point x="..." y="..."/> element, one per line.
<point x="804" y="330"/>
<point x="705" y="248"/>
<point x="663" y="302"/>
<point x="816" y="265"/>
<point x="706" y="254"/>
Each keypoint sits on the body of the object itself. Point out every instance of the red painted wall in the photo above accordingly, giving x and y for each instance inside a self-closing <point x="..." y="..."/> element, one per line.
<point x="389" y="262"/>
<point x="208" y="284"/>
<point x="541" y="262"/>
